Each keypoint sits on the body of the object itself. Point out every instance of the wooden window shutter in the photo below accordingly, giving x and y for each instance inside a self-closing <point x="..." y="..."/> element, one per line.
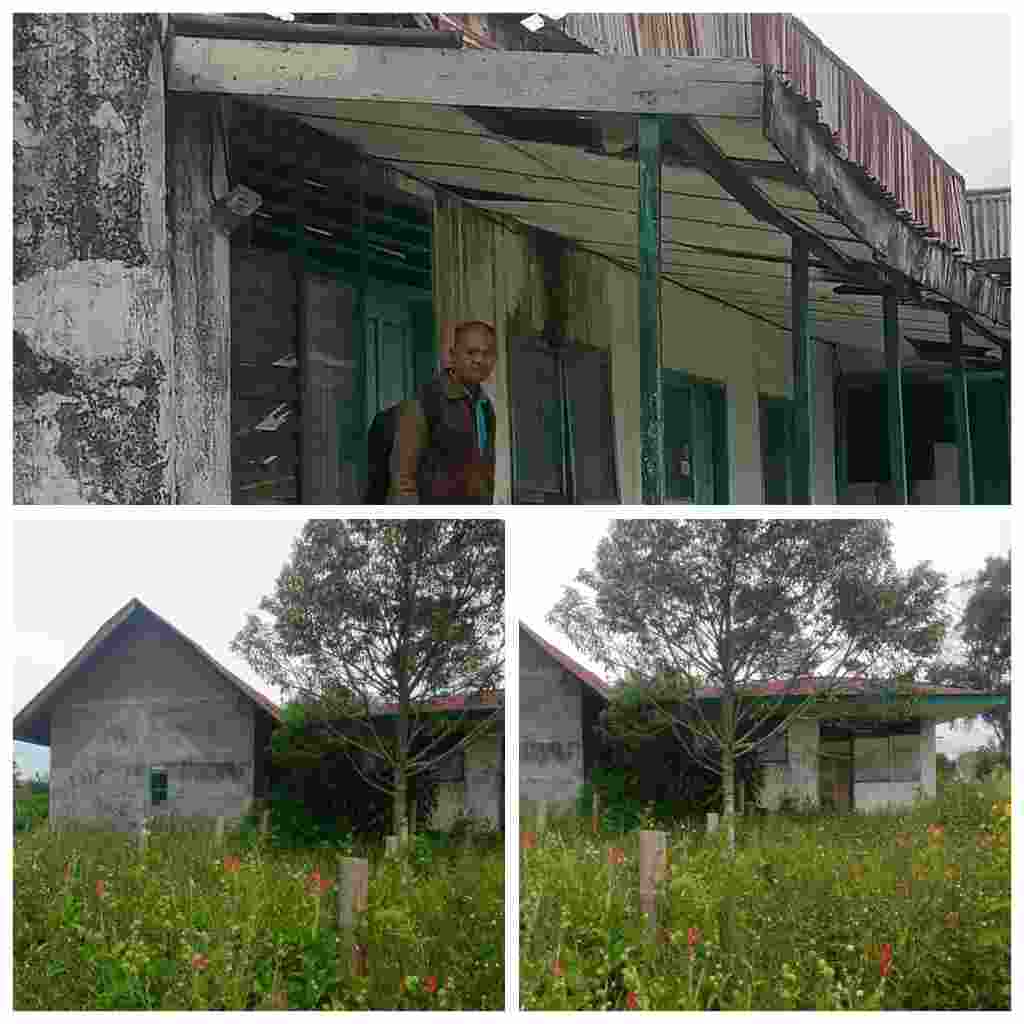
<point x="588" y="387"/>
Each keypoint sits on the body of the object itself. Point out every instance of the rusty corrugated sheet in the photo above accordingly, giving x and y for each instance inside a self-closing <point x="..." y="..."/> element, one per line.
<point x="988" y="224"/>
<point x="866" y="130"/>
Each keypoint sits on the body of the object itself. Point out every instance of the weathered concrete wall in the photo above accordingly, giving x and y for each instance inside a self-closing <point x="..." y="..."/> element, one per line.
<point x="118" y="397"/>
<point x="522" y="280"/>
<point x="149" y="700"/>
<point x="200" y="254"/>
<point x="92" y="376"/>
<point x="550" y="728"/>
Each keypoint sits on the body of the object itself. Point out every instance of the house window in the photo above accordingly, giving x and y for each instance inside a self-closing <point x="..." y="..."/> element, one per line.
<point x="157" y="785"/>
<point x="452" y="767"/>
<point x="563" y="431"/>
<point x="887" y="758"/>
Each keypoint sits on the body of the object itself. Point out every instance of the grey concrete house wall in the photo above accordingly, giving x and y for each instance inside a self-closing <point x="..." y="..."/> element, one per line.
<point x="141" y="700"/>
<point x="557" y="710"/>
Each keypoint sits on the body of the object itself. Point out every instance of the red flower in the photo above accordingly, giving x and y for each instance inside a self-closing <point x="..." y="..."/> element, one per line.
<point x="232" y="864"/>
<point x="616" y="855"/>
<point x="315" y="884"/>
<point x="631" y="1001"/>
<point x="885" y="961"/>
<point x="528" y="840"/>
<point x="558" y="968"/>
<point x="935" y="833"/>
<point x="67" y="872"/>
<point x="200" y="962"/>
<point x="101" y="887"/>
<point x="692" y="936"/>
<point x="430" y="983"/>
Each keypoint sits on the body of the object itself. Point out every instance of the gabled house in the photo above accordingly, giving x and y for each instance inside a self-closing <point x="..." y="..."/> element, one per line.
<point x="559" y="705"/>
<point x="143" y="722"/>
<point x="722" y="269"/>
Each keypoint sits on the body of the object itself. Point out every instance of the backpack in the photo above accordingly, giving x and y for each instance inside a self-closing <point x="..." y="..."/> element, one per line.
<point x="380" y="442"/>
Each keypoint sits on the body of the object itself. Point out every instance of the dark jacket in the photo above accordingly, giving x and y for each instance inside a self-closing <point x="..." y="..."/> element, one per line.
<point x="441" y="458"/>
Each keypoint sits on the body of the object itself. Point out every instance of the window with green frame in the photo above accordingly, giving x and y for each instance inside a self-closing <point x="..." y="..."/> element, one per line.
<point x="697" y="464"/>
<point x="563" y="435"/>
<point x="158" y="789"/>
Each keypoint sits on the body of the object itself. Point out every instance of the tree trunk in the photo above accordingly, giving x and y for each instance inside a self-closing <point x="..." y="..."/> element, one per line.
<point x="729" y="771"/>
<point x="400" y="804"/>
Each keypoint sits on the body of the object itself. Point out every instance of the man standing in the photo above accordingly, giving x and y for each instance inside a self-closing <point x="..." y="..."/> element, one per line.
<point x="444" y="445"/>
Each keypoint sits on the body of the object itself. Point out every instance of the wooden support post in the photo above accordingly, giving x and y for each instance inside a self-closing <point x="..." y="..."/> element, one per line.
<point x="353" y="900"/>
<point x="894" y="401"/>
<point x="542" y="816"/>
<point x="712" y="823"/>
<point x="218" y="831"/>
<point x="265" y="824"/>
<point x="143" y="837"/>
<point x="652" y="469"/>
<point x="653" y="861"/>
<point x="961" y="412"/>
<point x="803" y="377"/>
<point x="595" y="814"/>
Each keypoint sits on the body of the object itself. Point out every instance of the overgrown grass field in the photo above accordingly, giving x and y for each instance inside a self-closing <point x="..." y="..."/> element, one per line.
<point x="815" y="912"/>
<point x="190" y="925"/>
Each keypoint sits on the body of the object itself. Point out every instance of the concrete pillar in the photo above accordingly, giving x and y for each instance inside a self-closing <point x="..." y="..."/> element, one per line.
<point x="120" y="364"/>
<point x="802" y="781"/>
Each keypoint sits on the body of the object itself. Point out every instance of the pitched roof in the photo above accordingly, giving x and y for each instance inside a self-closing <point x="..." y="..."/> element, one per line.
<point x="585" y="676"/>
<point x="32" y="723"/>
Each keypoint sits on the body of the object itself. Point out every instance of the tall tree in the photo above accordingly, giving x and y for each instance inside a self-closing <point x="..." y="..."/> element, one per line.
<point x="686" y="610"/>
<point x="985" y="628"/>
<point x="391" y="634"/>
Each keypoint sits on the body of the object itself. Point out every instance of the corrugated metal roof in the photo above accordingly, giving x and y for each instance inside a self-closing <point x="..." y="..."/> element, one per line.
<point x="988" y="224"/>
<point x="866" y="130"/>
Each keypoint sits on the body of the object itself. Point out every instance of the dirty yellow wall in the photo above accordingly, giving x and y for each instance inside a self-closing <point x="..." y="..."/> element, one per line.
<point x="486" y="268"/>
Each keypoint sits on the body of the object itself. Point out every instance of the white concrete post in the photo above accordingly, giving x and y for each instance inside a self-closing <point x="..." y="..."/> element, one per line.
<point x="353" y="900"/>
<point x="712" y="822"/>
<point x="653" y="861"/>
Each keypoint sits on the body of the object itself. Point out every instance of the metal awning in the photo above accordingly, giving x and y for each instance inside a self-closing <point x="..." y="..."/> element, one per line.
<point x="469" y="122"/>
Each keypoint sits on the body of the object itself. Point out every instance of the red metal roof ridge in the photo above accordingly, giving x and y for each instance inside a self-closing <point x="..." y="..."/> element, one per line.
<point x="570" y="664"/>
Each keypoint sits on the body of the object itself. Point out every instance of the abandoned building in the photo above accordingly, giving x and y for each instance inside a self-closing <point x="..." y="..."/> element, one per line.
<point x="722" y="269"/>
<point x="863" y="748"/>
<point x="142" y="722"/>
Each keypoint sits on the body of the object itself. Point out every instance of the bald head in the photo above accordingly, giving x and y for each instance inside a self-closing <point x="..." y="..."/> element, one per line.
<point x="474" y="352"/>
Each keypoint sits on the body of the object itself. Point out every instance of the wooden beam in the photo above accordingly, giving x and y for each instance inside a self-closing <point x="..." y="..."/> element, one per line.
<point x="803" y="379"/>
<point x="471" y="78"/>
<point x="961" y="413"/>
<point x="846" y="196"/>
<point x="894" y="403"/>
<point x="652" y="469"/>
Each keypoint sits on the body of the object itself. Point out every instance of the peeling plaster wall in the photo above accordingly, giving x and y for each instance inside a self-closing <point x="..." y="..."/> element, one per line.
<point x="550" y="728"/>
<point x="145" y="700"/>
<point x="120" y="321"/>
<point x="91" y="297"/>
<point x="484" y="779"/>
<point x="522" y="280"/>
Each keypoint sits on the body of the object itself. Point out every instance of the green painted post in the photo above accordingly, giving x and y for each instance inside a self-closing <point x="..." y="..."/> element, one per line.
<point x="894" y="397"/>
<point x="961" y="412"/>
<point x="652" y="470"/>
<point x="803" y="378"/>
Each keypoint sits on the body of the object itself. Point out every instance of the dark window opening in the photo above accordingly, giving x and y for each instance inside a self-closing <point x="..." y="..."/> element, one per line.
<point x="452" y="768"/>
<point x="695" y="437"/>
<point x="158" y="786"/>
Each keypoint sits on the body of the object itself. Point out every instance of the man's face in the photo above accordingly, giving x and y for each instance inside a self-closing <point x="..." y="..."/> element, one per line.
<point x="474" y="354"/>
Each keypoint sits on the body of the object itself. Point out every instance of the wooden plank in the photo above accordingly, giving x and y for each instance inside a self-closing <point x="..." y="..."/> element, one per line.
<point x="471" y="78"/>
<point x="847" y="198"/>
<point x="649" y="304"/>
<point x="894" y="400"/>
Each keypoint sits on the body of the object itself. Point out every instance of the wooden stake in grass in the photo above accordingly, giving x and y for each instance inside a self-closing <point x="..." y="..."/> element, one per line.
<point x="265" y="825"/>
<point x="595" y="813"/>
<point x="218" y="831"/>
<point x="143" y="836"/>
<point x="653" y="861"/>
<point x="391" y="846"/>
<point x="712" y="823"/>
<point x="353" y="900"/>
<point x="542" y="816"/>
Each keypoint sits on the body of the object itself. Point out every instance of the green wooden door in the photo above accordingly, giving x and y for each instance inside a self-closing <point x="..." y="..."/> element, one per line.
<point x="695" y="448"/>
<point x="776" y="428"/>
<point x="989" y="410"/>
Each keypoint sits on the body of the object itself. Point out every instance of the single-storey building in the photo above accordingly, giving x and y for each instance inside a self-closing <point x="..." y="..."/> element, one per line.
<point x="865" y="747"/>
<point x="142" y="722"/>
<point x="722" y="269"/>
